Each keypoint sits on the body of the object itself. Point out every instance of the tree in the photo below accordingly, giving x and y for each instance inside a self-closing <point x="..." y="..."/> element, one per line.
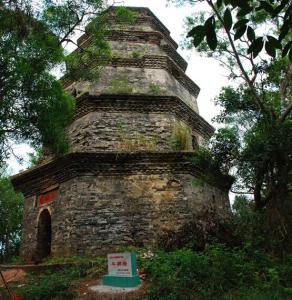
<point x="33" y="35"/>
<point x="252" y="39"/>
<point x="10" y="219"/>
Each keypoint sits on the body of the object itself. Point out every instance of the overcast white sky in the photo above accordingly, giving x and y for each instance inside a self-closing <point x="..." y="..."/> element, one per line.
<point x="205" y="72"/>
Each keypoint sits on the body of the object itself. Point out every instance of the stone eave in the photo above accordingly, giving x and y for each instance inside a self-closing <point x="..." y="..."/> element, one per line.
<point x="135" y="36"/>
<point x="34" y="181"/>
<point x="143" y="103"/>
<point x="153" y="21"/>
<point x="151" y="14"/>
<point x="150" y="62"/>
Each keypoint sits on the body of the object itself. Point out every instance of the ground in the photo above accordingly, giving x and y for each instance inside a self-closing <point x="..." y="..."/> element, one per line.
<point x="16" y="277"/>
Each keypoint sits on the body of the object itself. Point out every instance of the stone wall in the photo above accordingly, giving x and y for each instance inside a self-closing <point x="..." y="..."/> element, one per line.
<point x="94" y="215"/>
<point x="125" y="131"/>
<point x="119" y="80"/>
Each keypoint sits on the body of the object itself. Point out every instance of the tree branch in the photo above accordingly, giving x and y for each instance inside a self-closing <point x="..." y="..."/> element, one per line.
<point x="286" y="113"/>
<point x="244" y="73"/>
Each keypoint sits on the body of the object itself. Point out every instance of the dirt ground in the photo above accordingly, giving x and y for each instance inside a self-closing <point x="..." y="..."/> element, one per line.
<point x="82" y="289"/>
<point x="13" y="275"/>
<point x="84" y="292"/>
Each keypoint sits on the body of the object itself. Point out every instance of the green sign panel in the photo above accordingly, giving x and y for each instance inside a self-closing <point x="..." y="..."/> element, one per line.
<point x="122" y="270"/>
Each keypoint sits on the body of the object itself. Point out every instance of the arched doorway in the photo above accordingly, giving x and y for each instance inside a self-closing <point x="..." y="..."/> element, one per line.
<point x="44" y="235"/>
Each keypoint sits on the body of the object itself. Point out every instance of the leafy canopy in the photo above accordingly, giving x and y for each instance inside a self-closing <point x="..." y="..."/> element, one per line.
<point x="10" y="219"/>
<point x="33" y="34"/>
<point x="240" y="19"/>
<point x="252" y="40"/>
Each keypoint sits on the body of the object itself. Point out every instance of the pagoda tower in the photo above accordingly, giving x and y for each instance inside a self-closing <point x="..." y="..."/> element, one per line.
<point x="127" y="177"/>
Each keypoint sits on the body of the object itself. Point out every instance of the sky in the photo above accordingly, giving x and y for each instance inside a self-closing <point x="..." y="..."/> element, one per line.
<point x="205" y="72"/>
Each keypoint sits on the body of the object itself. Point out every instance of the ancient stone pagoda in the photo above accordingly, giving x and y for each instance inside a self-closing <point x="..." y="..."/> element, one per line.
<point x="127" y="177"/>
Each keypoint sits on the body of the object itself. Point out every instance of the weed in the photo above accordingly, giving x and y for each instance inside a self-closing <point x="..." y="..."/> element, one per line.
<point x="154" y="88"/>
<point x="121" y="85"/>
<point x="51" y="284"/>
<point x="136" y="141"/>
<point x="136" y="54"/>
<point x="216" y="273"/>
<point x="181" y="137"/>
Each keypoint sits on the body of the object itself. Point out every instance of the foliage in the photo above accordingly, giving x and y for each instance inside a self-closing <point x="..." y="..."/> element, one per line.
<point x="257" y="107"/>
<point x="216" y="161"/>
<point x="135" y="141"/>
<point x="181" y="137"/>
<point x="33" y="104"/>
<point x="120" y="85"/>
<point x="207" y="227"/>
<point x="154" y="88"/>
<point x="34" y="157"/>
<point x="238" y="18"/>
<point x="51" y="284"/>
<point x="232" y="265"/>
<point x="59" y="284"/>
<point x="218" y="272"/>
<point x="136" y="54"/>
<point x="79" y="260"/>
<point x="87" y="62"/>
<point x="10" y="219"/>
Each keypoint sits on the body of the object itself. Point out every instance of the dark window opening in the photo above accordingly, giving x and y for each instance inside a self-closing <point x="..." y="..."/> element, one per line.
<point x="195" y="143"/>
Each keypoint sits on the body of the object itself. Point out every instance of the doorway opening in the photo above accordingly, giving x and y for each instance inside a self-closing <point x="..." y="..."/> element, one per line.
<point x="44" y="235"/>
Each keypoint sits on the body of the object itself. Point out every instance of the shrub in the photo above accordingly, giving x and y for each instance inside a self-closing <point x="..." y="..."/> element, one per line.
<point x="218" y="272"/>
<point x="154" y="88"/>
<point x="51" y="284"/>
<point x="181" y="137"/>
<point x="58" y="284"/>
<point x="121" y="85"/>
<point x="136" y="54"/>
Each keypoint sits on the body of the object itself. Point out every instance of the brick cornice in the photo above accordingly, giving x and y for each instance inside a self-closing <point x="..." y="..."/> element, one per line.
<point x="144" y="103"/>
<point x="151" y="62"/>
<point x="151" y="37"/>
<point x="35" y="180"/>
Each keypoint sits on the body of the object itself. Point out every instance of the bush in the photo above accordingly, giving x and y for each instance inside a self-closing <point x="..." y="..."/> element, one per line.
<point x="51" y="284"/>
<point x="154" y="88"/>
<point x="217" y="272"/>
<point x="181" y="138"/>
<point x="58" y="284"/>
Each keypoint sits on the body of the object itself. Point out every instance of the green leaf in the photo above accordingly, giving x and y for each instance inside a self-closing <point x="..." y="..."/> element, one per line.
<point x="240" y="32"/>
<point x="240" y="23"/>
<point x="210" y="22"/>
<point x="279" y="8"/>
<point x="212" y="39"/>
<point x="210" y="33"/>
<point x="256" y="46"/>
<point x="228" y="19"/>
<point x="198" y="30"/>
<point x="271" y="50"/>
<point x="219" y="3"/>
<point x="198" y="33"/>
<point x="197" y="40"/>
<point x="239" y="3"/>
<point x="244" y="11"/>
<point x="266" y="6"/>
<point x="274" y="42"/>
<point x="290" y="54"/>
<point x="250" y="34"/>
<point x="284" y="30"/>
<point x="286" y="49"/>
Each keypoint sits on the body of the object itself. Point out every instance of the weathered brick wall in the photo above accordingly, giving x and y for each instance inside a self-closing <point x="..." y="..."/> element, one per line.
<point x="123" y="131"/>
<point x="93" y="215"/>
<point x="138" y="80"/>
